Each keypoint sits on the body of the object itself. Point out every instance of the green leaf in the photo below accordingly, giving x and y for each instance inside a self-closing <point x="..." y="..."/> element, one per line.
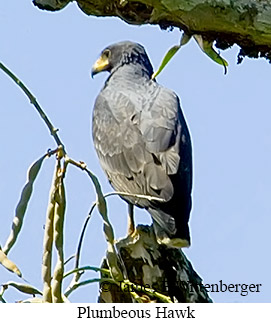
<point x="207" y="48"/>
<point x="173" y="50"/>
<point x="24" y="288"/>
<point x="22" y="205"/>
<point x="8" y="264"/>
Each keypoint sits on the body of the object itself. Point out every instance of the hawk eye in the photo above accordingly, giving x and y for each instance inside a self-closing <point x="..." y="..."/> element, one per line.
<point x="107" y="53"/>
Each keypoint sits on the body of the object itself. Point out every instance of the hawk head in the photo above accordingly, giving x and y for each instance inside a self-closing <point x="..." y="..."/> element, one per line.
<point x="120" y="54"/>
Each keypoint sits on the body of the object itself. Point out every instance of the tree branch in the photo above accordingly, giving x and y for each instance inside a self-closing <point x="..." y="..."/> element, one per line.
<point x="156" y="268"/>
<point x="244" y="22"/>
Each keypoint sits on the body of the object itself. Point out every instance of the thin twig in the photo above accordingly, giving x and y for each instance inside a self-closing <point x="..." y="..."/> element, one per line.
<point x="140" y="196"/>
<point x="77" y="256"/>
<point x="3" y="289"/>
<point x="123" y="285"/>
<point x="148" y="197"/>
<point x="69" y="259"/>
<point x="83" y="283"/>
<point x="112" y="256"/>
<point x="33" y="101"/>
<point x="78" y="253"/>
<point x="102" y="270"/>
<point x="78" y="273"/>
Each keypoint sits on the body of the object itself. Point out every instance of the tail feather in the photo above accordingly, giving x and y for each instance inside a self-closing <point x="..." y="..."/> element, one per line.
<point x="168" y="231"/>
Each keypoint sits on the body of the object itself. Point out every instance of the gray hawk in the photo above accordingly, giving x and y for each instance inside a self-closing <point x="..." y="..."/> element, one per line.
<point x="143" y="142"/>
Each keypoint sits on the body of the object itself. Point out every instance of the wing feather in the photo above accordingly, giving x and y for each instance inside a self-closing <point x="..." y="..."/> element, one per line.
<point x="137" y="139"/>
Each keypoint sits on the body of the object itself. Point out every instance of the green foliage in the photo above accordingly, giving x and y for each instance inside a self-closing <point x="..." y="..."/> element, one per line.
<point x="205" y="45"/>
<point x="22" y="205"/>
<point x="54" y="227"/>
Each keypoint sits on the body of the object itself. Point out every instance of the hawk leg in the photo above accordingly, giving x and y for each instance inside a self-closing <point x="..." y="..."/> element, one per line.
<point x="131" y="222"/>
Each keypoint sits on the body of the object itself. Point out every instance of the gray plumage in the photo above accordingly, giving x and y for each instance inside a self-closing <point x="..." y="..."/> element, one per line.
<point x="143" y="142"/>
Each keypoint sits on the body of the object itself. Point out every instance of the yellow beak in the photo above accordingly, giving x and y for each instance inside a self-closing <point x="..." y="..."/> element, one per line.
<point x="100" y="65"/>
